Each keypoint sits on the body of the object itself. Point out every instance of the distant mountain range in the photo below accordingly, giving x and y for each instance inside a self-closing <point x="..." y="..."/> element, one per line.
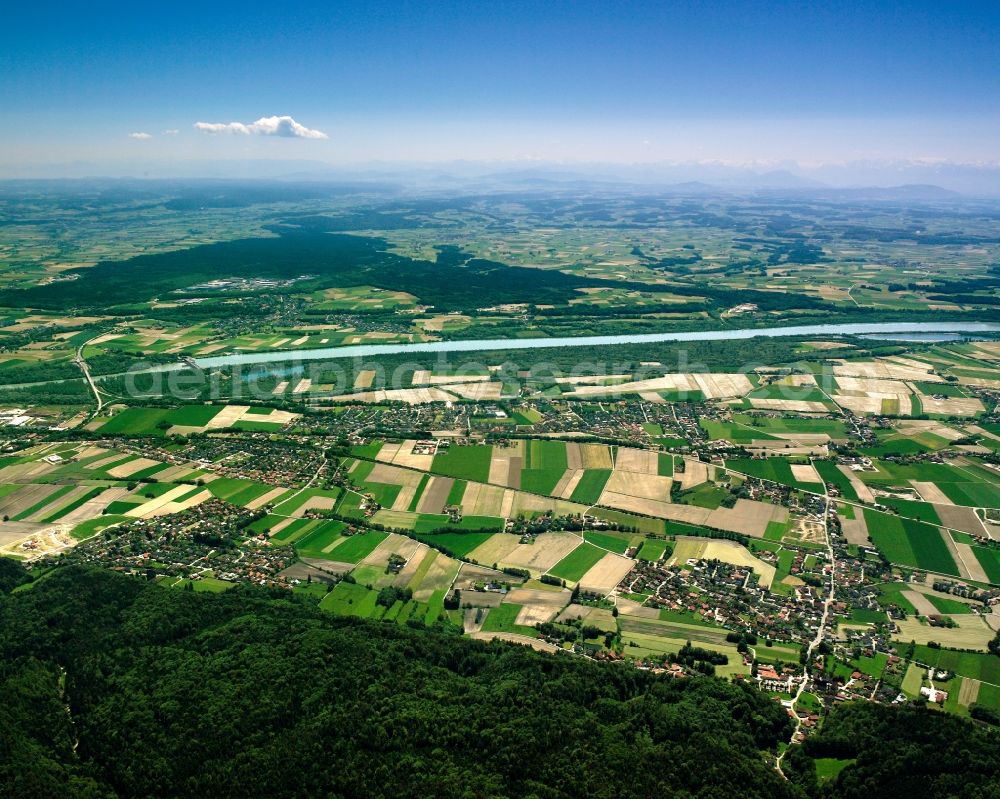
<point x="860" y="180"/>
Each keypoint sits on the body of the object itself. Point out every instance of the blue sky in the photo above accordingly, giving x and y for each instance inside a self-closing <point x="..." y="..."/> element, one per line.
<point x="612" y="81"/>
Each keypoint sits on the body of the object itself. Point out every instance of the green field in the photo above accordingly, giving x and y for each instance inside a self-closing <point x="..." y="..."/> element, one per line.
<point x="468" y="463"/>
<point x="909" y="542"/>
<point x="318" y="538"/>
<point x="775" y="468"/>
<point x="591" y="484"/>
<point x="502" y="619"/>
<point x="616" y="543"/>
<point x="652" y="549"/>
<point x="354" y="548"/>
<point x="350" y="599"/>
<point x="458" y="544"/>
<point x="577" y="563"/>
<point x="544" y="465"/>
<point x="829" y="472"/>
<point x="989" y="559"/>
<point x="977" y="665"/>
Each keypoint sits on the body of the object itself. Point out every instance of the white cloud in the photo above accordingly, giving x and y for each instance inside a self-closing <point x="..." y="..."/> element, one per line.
<point x="285" y="127"/>
<point x="171" y="132"/>
<point x="140" y="136"/>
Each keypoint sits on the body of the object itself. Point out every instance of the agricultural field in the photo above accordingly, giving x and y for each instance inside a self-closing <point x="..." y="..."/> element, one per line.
<point x="690" y="507"/>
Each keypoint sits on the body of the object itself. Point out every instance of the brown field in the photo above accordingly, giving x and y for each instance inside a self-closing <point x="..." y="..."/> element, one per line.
<point x="265" y="499"/>
<point x="569" y="476"/>
<point x="915" y="426"/>
<point x="412" y="396"/>
<point x="413" y="561"/>
<point x="966" y="560"/>
<point x="483" y="500"/>
<point x="556" y="598"/>
<point x="495" y="549"/>
<point x="596" y="617"/>
<point x="448" y="379"/>
<point x="885" y="369"/>
<point x="568" y="483"/>
<point x="364" y="379"/>
<point x="546" y="552"/>
<point x="929" y="492"/>
<point x="629" y="608"/>
<point x="921" y="603"/>
<point x="172" y="473"/>
<point x="23" y="498"/>
<point x="695" y="473"/>
<point x="439" y="577"/>
<point x="747" y="516"/>
<point x="959" y="518"/>
<point x="642" y="461"/>
<point x="505" y="465"/>
<point x="317" y="503"/>
<point x="93" y="507"/>
<point x="714" y="386"/>
<point x="470" y="574"/>
<point x="604" y="576"/>
<point x="521" y="502"/>
<point x="795" y="406"/>
<point x="855" y="530"/>
<point x="399" y="544"/>
<point x="595" y="456"/>
<point x="167" y="503"/>
<point x="805" y="473"/>
<point x="388" y="451"/>
<point x="647" y="507"/>
<point x="393" y="475"/>
<point x="952" y="406"/>
<point x="643" y="486"/>
<point x="972" y="633"/>
<point x="130" y="468"/>
<point x="477" y="391"/>
<point x="968" y="693"/>
<point x="863" y="491"/>
<point x="589" y="379"/>
<point x="726" y="551"/>
<point x="12" y="532"/>
<point x="435" y="495"/>
<point x="227" y="417"/>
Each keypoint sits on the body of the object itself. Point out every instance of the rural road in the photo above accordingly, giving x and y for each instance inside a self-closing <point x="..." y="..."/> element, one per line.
<point x="819" y="632"/>
<point x="80" y="361"/>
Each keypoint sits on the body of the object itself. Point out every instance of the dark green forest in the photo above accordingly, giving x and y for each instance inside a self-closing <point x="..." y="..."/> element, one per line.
<point x="337" y="260"/>
<point x="113" y="686"/>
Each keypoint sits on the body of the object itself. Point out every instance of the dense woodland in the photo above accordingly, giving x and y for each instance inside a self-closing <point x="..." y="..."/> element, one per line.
<point x="116" y="687"/>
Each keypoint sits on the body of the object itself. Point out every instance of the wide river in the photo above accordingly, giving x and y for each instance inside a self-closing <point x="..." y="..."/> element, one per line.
<point x="883" y="329"/>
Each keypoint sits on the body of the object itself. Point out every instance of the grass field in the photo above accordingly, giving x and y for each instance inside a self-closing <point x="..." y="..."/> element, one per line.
<point x="502" y="619"/>
<point x="350" y="599"/>
<point x="616" y="543"/>
<point x="977" y="665"/>
<point x="458" y="544"/>
<point x="829" y="472"/>
<point x="468" y="463"/>
<point x="776" y="469"/>
<point x="577" y="563"/>
<point x="989" y="559"/>
<point x="589" y="489"/>
<point x="318" y="538"/>
<point x="652" y="549"/>
<point x="355" y="547"/>
<point x="544" y="465"/>
<point x="909" y="542"/>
